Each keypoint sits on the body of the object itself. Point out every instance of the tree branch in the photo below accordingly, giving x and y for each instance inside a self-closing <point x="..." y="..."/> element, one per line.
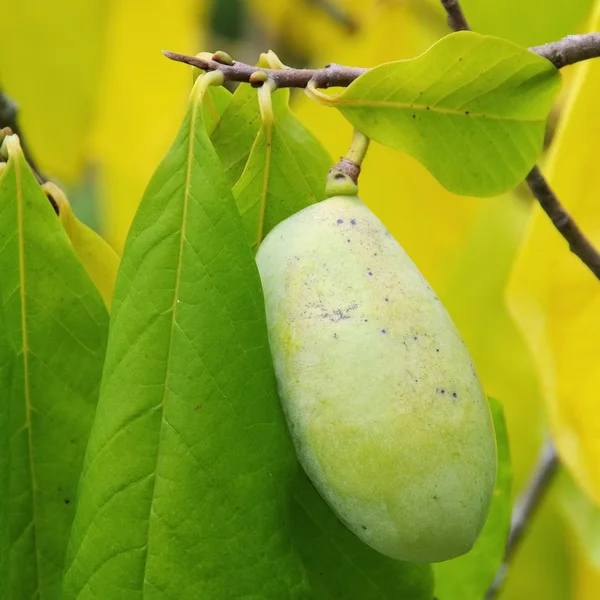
<point x="330" y="76"/>
<point x="563" y="222"/>
<point x="456" y="18"/>
<point x="525" y="507"/>
<point x="571" y="49"/>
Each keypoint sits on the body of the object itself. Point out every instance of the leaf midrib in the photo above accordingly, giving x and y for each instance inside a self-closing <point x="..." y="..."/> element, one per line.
<point x="263" y="197"/>
<point x="428" y="108"/>
<point x="27" y="391"/>
<point x="186" y="197"/>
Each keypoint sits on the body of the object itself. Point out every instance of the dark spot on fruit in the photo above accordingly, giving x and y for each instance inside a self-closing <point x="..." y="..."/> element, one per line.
<point x="415" y="338"/>
<point x="370" y="274"/>
<point x="466" y="112"/>
<point x="335" y="336"/>
<point x="340" y="221"/>
<point x="454" y="395"/>
<point x="460" y="58"/>
<point x="72" y="440"/>
<point x="437" y="349"/>
<point x="427" y="108"/>
<point x="414" y="116"/>
<point x="387" y="299"/>
<point x="348" y="240"/>
<point x="364" y="527"/>
<point x="442" y="391"/>
<point x="366" y="320"/>
<point x="435" y="497"/>
<point x="384" y="331"/>
<point x="352" y="221"/>
<point x="67" y="501"/>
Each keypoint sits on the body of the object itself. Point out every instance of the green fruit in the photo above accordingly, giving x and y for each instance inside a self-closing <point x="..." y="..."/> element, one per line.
<point x="386" y="411"/>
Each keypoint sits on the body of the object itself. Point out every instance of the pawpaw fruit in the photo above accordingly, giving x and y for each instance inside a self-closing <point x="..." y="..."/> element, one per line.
<point x="385" y="408"/>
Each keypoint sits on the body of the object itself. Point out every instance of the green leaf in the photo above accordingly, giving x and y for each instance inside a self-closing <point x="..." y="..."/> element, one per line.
<point x="215" y="105"/>
<point x="52" y="345"/>
<point x="187" y="480"/>
<point x="468" y="577"/>
<point x="235" y="133"/>
<point x="342" y="567"/>
<point x="285" y="172"/>
<point x="472" y="109"/>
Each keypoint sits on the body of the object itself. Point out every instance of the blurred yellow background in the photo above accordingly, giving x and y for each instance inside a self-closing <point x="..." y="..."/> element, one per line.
<point x="99" y="106"/>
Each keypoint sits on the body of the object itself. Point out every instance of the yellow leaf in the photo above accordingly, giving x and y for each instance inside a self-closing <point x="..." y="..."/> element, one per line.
<point x="142" y="101"/>
<point x="99" y="259"/>
<point x="50" y="57"/>
<point x="555" y="299"/>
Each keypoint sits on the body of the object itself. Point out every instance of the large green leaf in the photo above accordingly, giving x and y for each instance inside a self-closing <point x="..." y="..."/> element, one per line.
<point x="472" y="109"/>
<point x="468" y="577"/>
<point x="187" y="479"/>
<point x="285" y="172"/>
<point x="52" y="345"/>
<point x="341" y="566"/>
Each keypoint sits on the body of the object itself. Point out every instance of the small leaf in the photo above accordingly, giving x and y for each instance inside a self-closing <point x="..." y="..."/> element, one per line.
<point x="235" y="133"/>
<point x="342" y="566"/>
<point x="468" y="577"/>
<point x="52" y="345"/>
<point x="189" y="425"/>
<point x="241" y="123"/>
<point x="99" y="259"/>
<point x="285" y="172"/>
<point x="472" y="109"/>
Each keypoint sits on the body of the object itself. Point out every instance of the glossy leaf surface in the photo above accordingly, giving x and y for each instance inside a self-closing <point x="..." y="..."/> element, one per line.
<point x="189" y="425"/>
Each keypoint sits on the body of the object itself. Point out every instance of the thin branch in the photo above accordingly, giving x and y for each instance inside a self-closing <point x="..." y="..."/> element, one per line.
<point x="563" y="222"/>
<point x="9" y="118"/>
<point x="456" y="18"/>
<point x="571" y="49"/>
<point x="329" y="76"/>
<point x="525" y="508"/>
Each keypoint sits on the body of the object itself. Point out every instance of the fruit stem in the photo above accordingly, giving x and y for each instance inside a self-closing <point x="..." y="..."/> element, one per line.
<point x="349" y="166"/>
<point x="358" y="148"/>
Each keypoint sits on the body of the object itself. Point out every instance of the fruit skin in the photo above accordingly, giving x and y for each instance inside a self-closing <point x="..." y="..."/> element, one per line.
<point x="385" y="408"/>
